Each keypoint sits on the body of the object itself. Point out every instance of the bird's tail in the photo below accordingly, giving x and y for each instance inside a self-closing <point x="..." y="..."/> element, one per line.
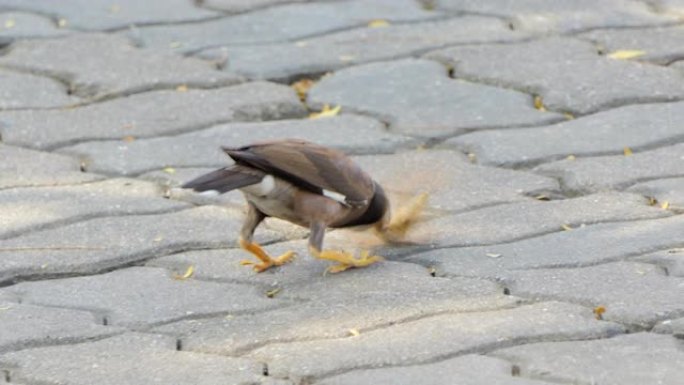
<point x="224" y="180"/>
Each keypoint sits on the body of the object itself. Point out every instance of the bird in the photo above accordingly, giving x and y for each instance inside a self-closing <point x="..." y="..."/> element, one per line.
<point x="309" y="185"/>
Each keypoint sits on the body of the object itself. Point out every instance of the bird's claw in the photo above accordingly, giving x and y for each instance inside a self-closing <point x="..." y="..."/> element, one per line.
<point x="347" y="260"/>
<point x="265" y="262"/>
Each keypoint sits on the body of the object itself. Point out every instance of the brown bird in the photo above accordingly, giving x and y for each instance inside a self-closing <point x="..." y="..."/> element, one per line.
<point x="309" y="185"/>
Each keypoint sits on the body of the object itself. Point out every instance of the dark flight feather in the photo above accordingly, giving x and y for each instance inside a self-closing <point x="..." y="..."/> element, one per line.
<point x="225" y="179"/>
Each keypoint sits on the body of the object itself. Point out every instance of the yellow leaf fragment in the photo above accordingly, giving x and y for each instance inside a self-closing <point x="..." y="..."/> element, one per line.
<point x="432" y="271"/>
<point x="626" y="54"/>
<point x="627" y="151"/>
<point x="472" y="157"/>
<point x="665" y="205"/>
<point x="182" y="88"/>
<point x="10" y="23"/>
<point x="542" y="197"/>
<point x="354" y="332"/>
<point x="539" y="103"/>
<point x="61" y="23"/>
<point x="175" y="44"/>
<point x="5" y="308"/>
<point x="302" y="87"/>
<point x="169" y="170"/>
<point x="570" y="157"/>
<point x="128" y="139"/>
<point x="188" y="273"/>
<point x="569" y="116"/>
<point x="652" y="201"/>
<point x="493" y="255"/>
<point x="272" y="293"/>
<point x="566" y="227"/>
<point x="326" y="112"/>
<point x="598" y="312"/>
<point x="378" y="23"/>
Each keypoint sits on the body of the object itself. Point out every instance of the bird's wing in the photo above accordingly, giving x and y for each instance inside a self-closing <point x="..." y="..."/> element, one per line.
<point x="310" y="166"/>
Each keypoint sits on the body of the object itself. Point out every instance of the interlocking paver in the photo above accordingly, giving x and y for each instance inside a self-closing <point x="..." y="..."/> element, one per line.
<point x="617" y="171"/>
<point x="353" y="134"/>
<point x="568" y="73"/>
<point x="150" y="114"/>
<point x="21" y="167"/>
<point x="674" y="327"/>
<point x="518" y="220"/>
<point x="651" y="358"/>
<point x="671" y="260"/>
<point x="563" y="17"/>
<point x="465" y="370"/>
<point x="636" y="127"/>
<point x="132" y="358"/>
<point x="427" y="339"/>
<point x="670" y="7"/>
<point x="19" y="90"/>
<point x="632" y="293"/>
<point x="668" y="191"/>
<point x="102" y="243"/>
<point x="583" y="246"/>
<point x="417" y="97"/>
<point x="282" y="23"/>
<point x="22" y="25"/>
<point x="106" y="15"/>
<point x="659" y="45"/>
<point x="237" y="6"/>
<point x="326" y="53"/>
<point x="32" y="208"/>
<point x="114" y="66"/>
<point x="123" y="297"/>
<point x="23" y="326"/>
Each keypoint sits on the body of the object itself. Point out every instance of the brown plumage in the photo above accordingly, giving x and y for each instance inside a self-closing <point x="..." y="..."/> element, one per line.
<point x="304" y="183"/>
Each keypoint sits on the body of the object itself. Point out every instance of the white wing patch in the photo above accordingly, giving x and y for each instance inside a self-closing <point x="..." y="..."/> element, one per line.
<point x="210" y="193"/>
<point x="265" y="186"/>
<point x="335" y="196"/>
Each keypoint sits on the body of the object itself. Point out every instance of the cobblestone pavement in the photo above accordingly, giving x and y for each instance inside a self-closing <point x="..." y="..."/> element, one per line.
<point x="549" y="135"/>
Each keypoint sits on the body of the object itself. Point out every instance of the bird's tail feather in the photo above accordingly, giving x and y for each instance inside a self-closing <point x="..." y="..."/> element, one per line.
<point x="224" y="180"/>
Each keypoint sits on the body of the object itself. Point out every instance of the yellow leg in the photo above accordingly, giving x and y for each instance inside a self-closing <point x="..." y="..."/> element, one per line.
<point x="345" y="260"/>
<point x="402" y="219"/>
<point x="266" y="261"/>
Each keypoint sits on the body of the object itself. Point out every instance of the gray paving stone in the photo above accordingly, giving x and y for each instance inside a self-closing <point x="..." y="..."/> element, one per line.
<point x="637" y="127"/>
<point x="277" y="24"/>
<point x="669" y="190"/>
<point x="672" y="260"/>
<point x="35" y="208"/>
<point x="326" y="53"/>
<point x="641" y="358"/>
<point x="22" y="168"/>
<point x="567" y="73"/>
<point x="417" y="97"/>
<point x="585" y="246"/>
<point x="94" y="245"/>
<point x="238" y="6"/>
<point x="22" y="25"/>
<point x="19" y="90"/>
<point x="660" y="45"/>
<point x="670" y="7"/>
<point x="334" y="305"/>
<point x="674" y="327"/>
<point x="430" y="338"/>
<point x="519" y="220"/>
<point x="635" y="294"/>
<point x="150" y="114"/>
<point x="115" y="67"/>
<point x="465" y="370"/>
<point x="141" y="296"/>
<point x="617" y="171"/>
<point x="132" y="358"/>
<point x="107" y="15"/>
<point x="23" y="326"/>
<point x="353" y="134"/>
<point x="451" y="180"/>
<point x="563" y="17"/>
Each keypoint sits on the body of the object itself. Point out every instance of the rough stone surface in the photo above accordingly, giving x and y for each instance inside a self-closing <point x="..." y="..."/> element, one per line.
<point x="659" y="45"/>
<point x="632" y="293"/>
<point x="21" y="167"/>
<point x="321" y="54"/>
<point x="618" y="171"/>
<point x="282" y="23"/>
<point x="19" y="90"/>
<point x="417" y="97"/>
<point x="429" y="338"/>
<point x="22" y="25"/>
<point x="115" y="68"/>
<point x="353" y="134"/>
<point x="670" y="7"/>
<point x="34" y="208"/>
<point x="637" y="127"/>
<point x="132" y="358"/>
<point x="584" y="246"/>
<point x="238" y="6"/>
<point x="653" y="359"/>
<point x="117" y="296"/>
<point x="563" y="17"/>
<point x="23" y="326"/>
<point x="465" y="370"/>
<point x="102" y="243"/>
<point x="567" y="73"/>
<point x="149" y="114"/>
<point x="669" y="190"/>
<point x="674" y="327"/>
<point x="105" y="15"/>
<point x="672" y="260"/>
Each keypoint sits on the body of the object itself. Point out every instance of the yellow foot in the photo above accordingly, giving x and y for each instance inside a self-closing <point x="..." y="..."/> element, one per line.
<point x="266" y="261"/>
<point x="345" y="260"/>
